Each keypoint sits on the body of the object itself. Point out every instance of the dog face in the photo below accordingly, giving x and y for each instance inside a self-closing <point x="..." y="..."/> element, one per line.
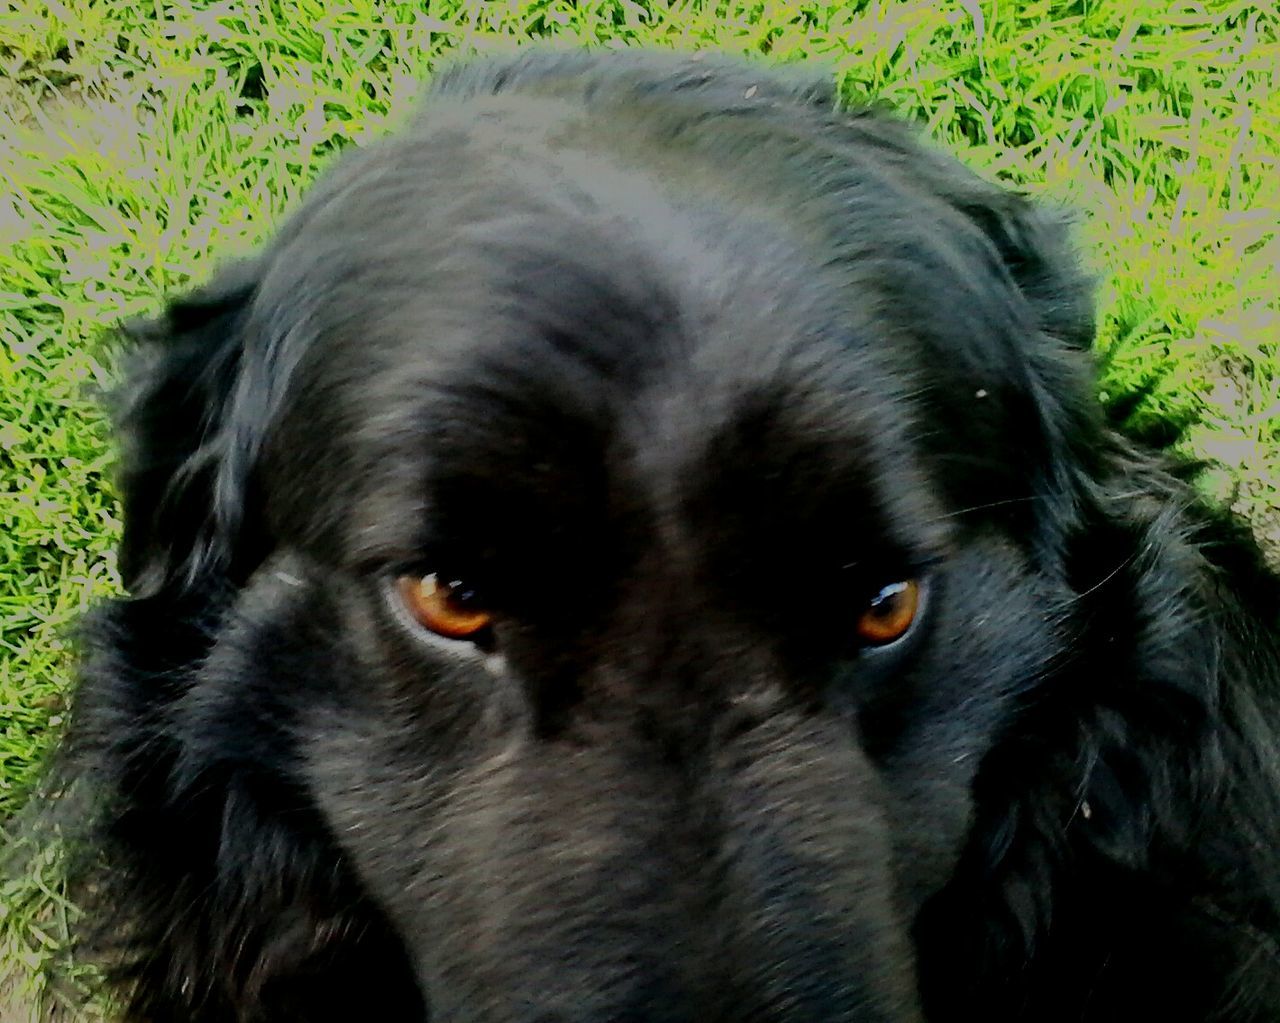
<point x="631" y="549"/>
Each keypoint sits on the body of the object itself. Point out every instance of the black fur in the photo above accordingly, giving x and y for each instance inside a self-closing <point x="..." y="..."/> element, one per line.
<point x="676" y="365"/>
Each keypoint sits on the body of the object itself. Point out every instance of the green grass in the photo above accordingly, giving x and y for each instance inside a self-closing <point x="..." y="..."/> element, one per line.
<point x="140" y="142"/>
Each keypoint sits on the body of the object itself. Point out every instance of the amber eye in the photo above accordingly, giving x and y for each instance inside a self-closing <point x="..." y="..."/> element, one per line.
<point x="890" y="613"/>
<point x="448" y="609"/>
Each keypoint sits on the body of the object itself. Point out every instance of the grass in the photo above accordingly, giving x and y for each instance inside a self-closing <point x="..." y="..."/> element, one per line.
<point x="142" y="141"/>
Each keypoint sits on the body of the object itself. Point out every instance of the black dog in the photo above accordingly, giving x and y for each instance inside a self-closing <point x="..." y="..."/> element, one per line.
<point x="641" y="546"/>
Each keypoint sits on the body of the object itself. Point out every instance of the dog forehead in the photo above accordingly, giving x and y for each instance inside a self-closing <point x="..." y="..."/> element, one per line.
<point x="610" y="397"/>
<point x="491" y="253"/>
<point x="628" y="310"/>
<point x="510" y="275"/>
<point x="497" y="182"/>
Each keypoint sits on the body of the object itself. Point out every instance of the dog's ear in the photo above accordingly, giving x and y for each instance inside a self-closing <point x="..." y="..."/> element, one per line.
<point x="1034" y="244"/>
<point x="189" y="439"/>
<point x="1021" y="388"/>
<point x="1032" y="241"/>
<point x="1056" y="414"/>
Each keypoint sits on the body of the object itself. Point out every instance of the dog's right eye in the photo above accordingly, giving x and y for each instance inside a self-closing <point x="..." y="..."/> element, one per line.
<point x="448" y="608"/>
<point x="890" y="613"/>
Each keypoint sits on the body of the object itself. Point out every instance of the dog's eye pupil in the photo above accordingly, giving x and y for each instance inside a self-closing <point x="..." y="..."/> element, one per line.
<point x="890" y="613"/>
<point x="450" y="609"/>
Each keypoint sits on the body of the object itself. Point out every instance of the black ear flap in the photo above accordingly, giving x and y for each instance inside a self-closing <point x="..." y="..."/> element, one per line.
<point x="1032" y="241"/>
<point x="1051" y="404"/>
<point x="185" y="476"/>
<point x="1035" y="246"/>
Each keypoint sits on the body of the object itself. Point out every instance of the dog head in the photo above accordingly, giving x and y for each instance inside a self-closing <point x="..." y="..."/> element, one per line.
<point x="594" y="554"/>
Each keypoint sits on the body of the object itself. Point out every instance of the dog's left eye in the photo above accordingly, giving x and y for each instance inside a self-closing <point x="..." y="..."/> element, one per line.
<point x="447" y="608"/>
<point x="890" y="613"/>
